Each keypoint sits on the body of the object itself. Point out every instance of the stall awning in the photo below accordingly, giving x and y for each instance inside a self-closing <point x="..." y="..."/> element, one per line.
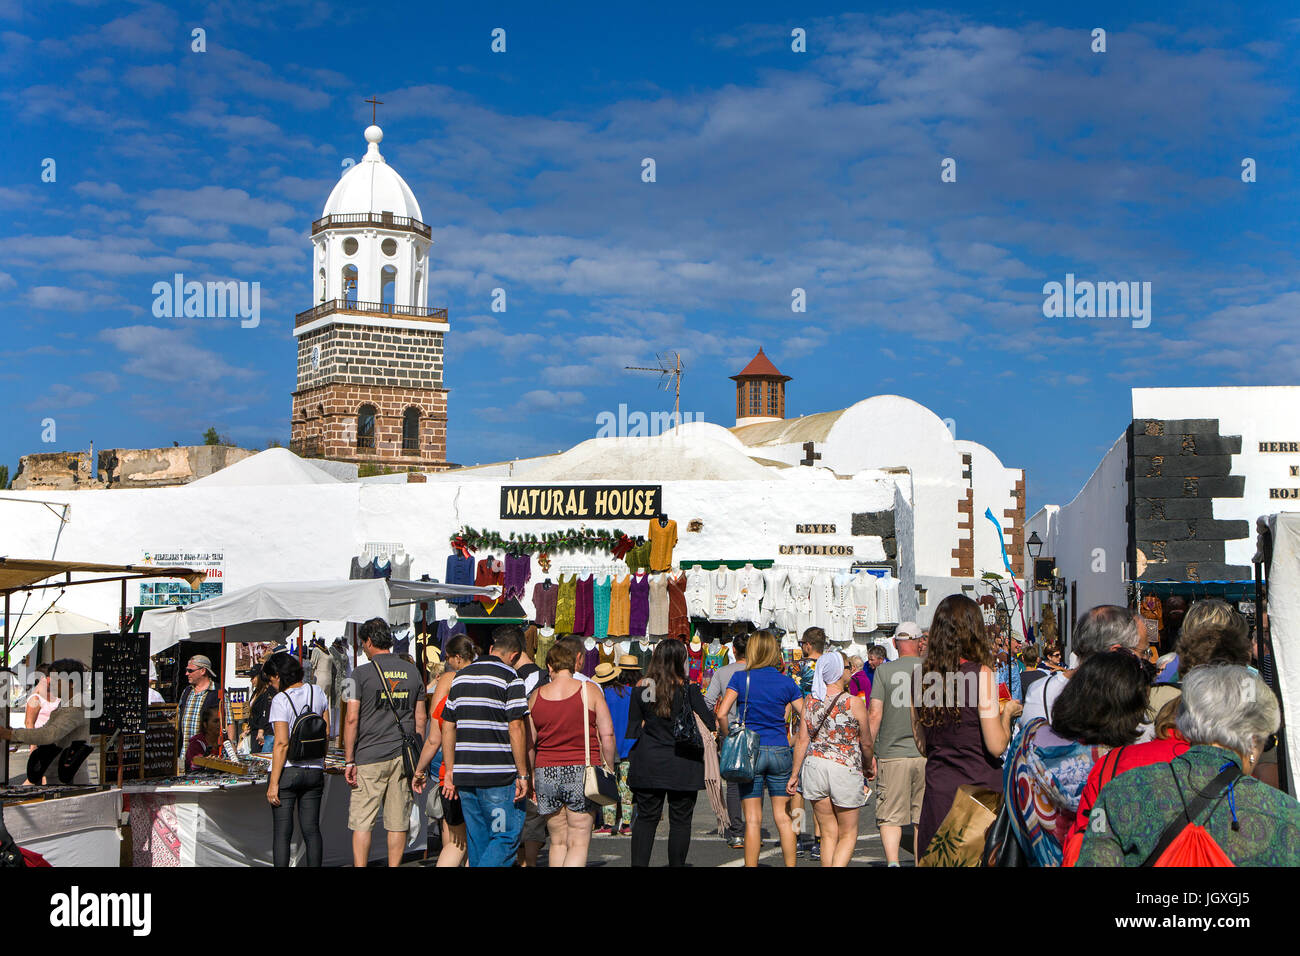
<point x="16" y="573"/>
<point x="1228" y="590"/>
<point x="407" y="592"/>
<point x="266" y="612"/>
<point x="503" y="612"/>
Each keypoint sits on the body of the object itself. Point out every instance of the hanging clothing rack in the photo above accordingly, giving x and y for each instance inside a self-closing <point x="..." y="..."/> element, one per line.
<point x="612" y="567"/>
<point x="380" y="549"/>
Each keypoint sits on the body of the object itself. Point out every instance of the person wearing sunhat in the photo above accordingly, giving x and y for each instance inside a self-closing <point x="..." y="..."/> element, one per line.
<point x="617" y="681"/>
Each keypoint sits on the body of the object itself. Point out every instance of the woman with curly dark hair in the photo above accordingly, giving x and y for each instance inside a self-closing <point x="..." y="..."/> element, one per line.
<point x="955" y="712"/>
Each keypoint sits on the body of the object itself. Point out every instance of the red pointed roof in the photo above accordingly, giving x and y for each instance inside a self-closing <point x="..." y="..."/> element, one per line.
<point x="760" y="366"/>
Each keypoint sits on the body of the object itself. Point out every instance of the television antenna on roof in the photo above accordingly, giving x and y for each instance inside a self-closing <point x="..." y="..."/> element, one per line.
<point x="665" y="369"/>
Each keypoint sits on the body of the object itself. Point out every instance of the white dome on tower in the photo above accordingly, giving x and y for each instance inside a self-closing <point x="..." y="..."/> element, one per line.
<point x="372" y="186"/>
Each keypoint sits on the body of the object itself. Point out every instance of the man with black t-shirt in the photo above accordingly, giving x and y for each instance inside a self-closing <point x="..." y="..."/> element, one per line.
<point x="372" y="741"/>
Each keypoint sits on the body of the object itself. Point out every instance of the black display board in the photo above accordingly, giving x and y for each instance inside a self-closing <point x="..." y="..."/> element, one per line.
<point x="120" y="667"/>
<point x="147" y="756"/>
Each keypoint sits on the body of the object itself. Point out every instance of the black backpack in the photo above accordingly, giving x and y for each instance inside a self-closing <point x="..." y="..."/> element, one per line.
<point x="309" y="735"/>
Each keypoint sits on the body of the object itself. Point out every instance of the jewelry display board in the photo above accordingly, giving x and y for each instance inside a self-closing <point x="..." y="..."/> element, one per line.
<point x="119" y="665"/>
<point x="147" y="756"/>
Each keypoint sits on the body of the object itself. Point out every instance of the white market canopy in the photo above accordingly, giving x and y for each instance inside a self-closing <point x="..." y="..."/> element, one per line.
<point x="26" y="629"/>
<point x="271" y="612"/>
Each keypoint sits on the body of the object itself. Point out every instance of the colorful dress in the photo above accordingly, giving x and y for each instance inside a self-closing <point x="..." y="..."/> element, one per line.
<point x="639" y="605"/>
<point x="565" y="604"/>
<point x="600" y="597"/>
<point x="584" y="613"/>
<point x="713" y="662"/>
<point x="658" y="622"/>
<point x="695" y="664"/>
<point x="619" y="607"/>
<point x="544" y="594"/>
<point x="679" y="622"/>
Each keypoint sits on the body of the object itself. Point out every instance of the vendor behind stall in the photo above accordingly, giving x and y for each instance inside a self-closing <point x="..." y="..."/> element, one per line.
<point x="67" y="729"/>
<point x="206" y="741"/>
<point x="198" y="697"/>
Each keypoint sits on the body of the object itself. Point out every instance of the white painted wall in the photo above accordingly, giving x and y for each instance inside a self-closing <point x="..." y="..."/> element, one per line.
<point x="311" y="532"/>
<point x="1257" y="414"/>
<point x="1089" y="536"/>
<point x="994" y="485"/>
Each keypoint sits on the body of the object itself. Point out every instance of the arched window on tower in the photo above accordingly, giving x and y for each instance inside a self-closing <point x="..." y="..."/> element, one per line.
<point x="388" y="285"/>
<point x="350" y="284"/>
<point x="322" y="285"/>
<point x="411" y="431"/>
<point x="366" y="426"/>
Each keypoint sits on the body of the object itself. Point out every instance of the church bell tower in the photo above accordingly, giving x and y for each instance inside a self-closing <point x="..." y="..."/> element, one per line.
<point x="370" y="350"/>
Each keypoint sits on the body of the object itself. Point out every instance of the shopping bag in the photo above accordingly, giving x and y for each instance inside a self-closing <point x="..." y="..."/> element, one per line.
<point x="959" y="841"/>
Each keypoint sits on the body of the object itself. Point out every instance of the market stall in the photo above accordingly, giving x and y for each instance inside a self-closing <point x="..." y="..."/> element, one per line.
<point x="68" y="826"/>
<point x="224" y="820"/>
<point x="1283" y="572"/>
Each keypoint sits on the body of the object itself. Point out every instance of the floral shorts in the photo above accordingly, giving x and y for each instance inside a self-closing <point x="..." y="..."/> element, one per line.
<point x="562" y="787"/>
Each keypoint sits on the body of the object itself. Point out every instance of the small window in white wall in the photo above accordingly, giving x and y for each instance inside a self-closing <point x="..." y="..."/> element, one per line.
<point x="349" y="246"/>
<point x="387" y="285"/>
<point x="389" y="246"/>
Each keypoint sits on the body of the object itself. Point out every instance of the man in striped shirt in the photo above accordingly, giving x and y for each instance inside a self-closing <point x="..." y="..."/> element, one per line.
<point x="484" y="747"/>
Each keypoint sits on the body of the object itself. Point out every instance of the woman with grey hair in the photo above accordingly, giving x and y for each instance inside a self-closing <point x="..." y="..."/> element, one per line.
<point x="1227" y="715"/>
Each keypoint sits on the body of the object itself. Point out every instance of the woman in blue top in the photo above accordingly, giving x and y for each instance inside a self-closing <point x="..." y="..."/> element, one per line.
<point x="763" y="696"/>
<point x="617" y="681"/>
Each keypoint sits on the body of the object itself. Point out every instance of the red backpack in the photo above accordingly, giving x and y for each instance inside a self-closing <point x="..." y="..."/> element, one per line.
<point x="1184" y="842"/>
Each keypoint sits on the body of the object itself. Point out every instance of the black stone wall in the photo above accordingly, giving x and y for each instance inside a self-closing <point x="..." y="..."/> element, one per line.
<point x="1177" y="468"/>
<point x="878" y="524"/>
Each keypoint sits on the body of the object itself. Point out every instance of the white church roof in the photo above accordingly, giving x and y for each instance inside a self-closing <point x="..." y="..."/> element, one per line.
<point x="275" y="466"/>
<point x="662" y="458"/>
<point x="372" y="186"/>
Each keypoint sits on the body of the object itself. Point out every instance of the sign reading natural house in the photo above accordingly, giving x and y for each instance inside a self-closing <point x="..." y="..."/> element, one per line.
<point x="563" y="502"/>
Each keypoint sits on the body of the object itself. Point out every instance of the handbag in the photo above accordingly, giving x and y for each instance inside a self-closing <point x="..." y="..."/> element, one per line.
<point x="686" y="733"/>
<point x="1002" y="845"/>
<point x="411" y="744"/>
<point x="598" y="784"/>
<point x="739" y="755"/>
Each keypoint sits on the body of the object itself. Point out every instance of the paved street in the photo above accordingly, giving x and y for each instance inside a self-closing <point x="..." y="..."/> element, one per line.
<point x="709" y="849"/>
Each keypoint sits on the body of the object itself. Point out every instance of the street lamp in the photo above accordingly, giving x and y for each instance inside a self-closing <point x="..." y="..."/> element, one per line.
<point x="1035" y="545"/>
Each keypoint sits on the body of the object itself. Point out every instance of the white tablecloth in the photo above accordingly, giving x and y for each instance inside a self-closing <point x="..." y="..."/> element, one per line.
<point x="193" y="826"/>
<point x="70" y="831"/>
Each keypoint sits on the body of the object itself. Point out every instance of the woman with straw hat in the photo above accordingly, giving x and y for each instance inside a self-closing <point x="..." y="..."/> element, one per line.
<point x="617" y="680"/>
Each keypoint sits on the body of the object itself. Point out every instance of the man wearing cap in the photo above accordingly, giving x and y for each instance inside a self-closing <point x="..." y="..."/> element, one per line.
<point x="899" y="766"/>
<point x="195" y="698"/>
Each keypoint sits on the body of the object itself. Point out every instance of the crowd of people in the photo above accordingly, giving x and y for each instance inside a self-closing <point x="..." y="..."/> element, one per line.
<point x="1103" y="760"/>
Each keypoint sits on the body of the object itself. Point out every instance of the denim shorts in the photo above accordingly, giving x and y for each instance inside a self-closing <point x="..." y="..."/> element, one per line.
<point x="772" y="768"/>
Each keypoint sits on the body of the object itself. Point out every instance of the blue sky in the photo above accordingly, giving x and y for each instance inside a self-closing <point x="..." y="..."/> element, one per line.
<point x="775" y="170"/>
